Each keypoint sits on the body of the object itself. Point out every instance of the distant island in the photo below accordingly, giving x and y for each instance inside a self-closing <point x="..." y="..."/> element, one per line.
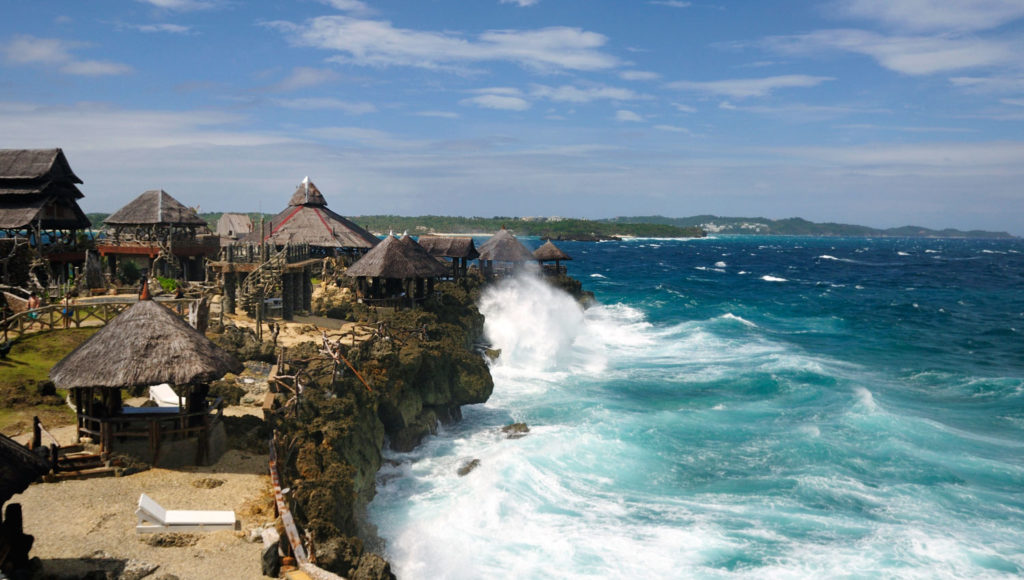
<point x="558" y="228"/>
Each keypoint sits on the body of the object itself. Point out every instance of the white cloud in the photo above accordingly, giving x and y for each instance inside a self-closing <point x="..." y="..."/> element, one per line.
<point x="673" y="129"/>
<point x="304" y="77"/>
<point x="353" y="6"/>
<point x="1009" y="84"/>
<point x="936" y="15"/>
<point x="326" y="103"/>
<point x="746" y="88"/>
<point x="378" y="43"/>
<point x="182" y="5"/>
<point x="572" y="94"/>
<point x="628" y="116"/>
<point x="639" y="75"/>
<point x="30" y="50"/>
<point x="520" y="3"/>
<point x="497" y="101"/>
<point x="1014" y="102"/>
<point x="682" y="108"/>
<point x="671" y="3"/>
<point x="364" y="137"/>
<point x="438" y="114"/>
<point x="169" y="28"/>
<point x="912" y="55"/>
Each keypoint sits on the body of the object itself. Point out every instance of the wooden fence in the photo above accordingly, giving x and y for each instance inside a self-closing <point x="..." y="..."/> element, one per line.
<point x="53" y="316"/>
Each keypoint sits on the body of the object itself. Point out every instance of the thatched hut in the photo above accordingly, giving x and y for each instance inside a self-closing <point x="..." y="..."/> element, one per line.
<point x="307" y="220"/>
<point x="232" y="227"/>
<point x="145" y="345"/>
<point x="396" y="272"/>
<point x="503" y="253"/>
<point x="458" y="250"/>
<point x="39" y="202"/>
<point x="157" y="229"/>
<point x="549" y="252"/>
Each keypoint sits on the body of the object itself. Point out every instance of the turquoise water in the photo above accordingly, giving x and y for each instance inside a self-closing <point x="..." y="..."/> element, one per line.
<point x="737" y="407"/>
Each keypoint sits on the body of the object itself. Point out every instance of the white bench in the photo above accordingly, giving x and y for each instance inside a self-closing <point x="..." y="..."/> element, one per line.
<point x="152" y="517"/>
<point x="164" y="396"/>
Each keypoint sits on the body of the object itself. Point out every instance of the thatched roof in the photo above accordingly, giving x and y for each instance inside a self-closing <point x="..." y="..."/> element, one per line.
<point x="310" y="222"/>
<point x="395" y="258"/>
<point x="549" y="252"/>
<point x="449" y="247"/>
<point x="307" y="194"/>
<point x="504" y="247"/>
<point x="19" y="467"/>
<point x="53" y="213"/>
<point x="234" y="225"/>
<point x="155" y="206"/>
<point x="146" y="344"/>
<point x="36" y="164"/>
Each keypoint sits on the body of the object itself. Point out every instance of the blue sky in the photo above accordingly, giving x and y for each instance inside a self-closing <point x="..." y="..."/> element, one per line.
<point x="875" y="112"/>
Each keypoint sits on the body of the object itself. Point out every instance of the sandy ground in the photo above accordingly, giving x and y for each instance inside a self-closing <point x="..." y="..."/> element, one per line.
<point x="87" y="525"/>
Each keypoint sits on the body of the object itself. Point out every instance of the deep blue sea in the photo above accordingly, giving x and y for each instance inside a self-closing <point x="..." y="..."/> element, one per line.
<point x="752" y="407"/>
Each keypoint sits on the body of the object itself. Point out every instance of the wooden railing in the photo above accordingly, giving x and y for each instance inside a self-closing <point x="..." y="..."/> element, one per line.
<point x="53" y="316"/>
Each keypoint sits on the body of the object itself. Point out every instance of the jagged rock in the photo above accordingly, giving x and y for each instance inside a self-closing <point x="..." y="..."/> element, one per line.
<point x="515" y="430"/>
<point x="242" y="343"/>
<point x="372" y="567"/>
<point x="467" y="467"/>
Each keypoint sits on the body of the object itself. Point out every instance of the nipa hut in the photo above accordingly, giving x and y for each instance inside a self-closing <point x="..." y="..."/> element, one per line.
<point x="458" y="250"/>
<point x="503" y="253"/>
<point x="157" y="230"/>
<point x="231" y="227"/>
<point x="147" y="345"/>
<point x="397" y="272"/>
<point x="39" y="202"/>
<point x="549" y="252"/>
<point x="307" y="220"/>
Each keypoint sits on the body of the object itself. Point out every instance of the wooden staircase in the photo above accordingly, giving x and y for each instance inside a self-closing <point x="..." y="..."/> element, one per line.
<point x="263" y="282"/>
<point x="74" y="462"/>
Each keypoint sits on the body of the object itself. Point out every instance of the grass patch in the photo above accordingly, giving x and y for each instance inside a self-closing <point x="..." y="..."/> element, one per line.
<point x="23" y="374"/>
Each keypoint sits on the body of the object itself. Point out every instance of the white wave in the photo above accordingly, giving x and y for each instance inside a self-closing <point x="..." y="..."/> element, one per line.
<point x="827" y="257"/>
<point x="598" y="276"/>
<point x="769" y="278"/>
<point x="865" y="399"/>
<point x="720" y="264"/>
<point x="706" y="269"/>
<point x="731" y="316"/>
<point x="902" y="254"/>
<point x="932" y="252"/>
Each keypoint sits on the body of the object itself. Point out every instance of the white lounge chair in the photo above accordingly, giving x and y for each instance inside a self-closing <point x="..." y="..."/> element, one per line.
<point x="154" y="518"/>
<point x="164" y="396"/>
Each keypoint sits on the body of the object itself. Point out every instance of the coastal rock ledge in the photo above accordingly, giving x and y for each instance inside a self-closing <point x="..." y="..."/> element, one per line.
<point x="416" y="371"/>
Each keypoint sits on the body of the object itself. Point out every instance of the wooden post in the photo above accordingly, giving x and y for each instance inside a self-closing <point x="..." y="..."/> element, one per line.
<point x="228" y="304"/>
<point x="287" y="295"/>
<point x="37" y="434"/>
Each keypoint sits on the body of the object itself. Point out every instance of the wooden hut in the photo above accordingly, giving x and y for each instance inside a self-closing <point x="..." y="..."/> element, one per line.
<point x="549" y="252"/>
<point x="307" y="220"/>
<point x="503" y="253"/>
<point x="146" y="345"/>
<point x="157" y="230"/>
<point x="19" y="467"/>
<point x="232" y="227"/>
<point x="397" y="272"/>
<point x="457" y="250"/>
<point x="39" y="202"/>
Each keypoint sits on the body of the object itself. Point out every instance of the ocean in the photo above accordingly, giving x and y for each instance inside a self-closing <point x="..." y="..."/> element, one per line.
<point x="736" y="407"/>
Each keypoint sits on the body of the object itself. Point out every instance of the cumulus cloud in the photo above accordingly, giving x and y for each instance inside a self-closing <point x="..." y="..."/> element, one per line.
<point x="353" y="6"/>
<point x="746" y="88"/>
<point x="671" y="3"/>
<point x="936" y="15"/>
<point x="639" y="75"/>
<point x="30" y="50"/>
<point x="911" y="55"/>
<point x="497" y="101"/>
<point x="673" y="129"/>
<point x="994" y="84"/>
<point x="379" y="43"/>
<point x="168" y="28"/>
<point x="520" y="3"/>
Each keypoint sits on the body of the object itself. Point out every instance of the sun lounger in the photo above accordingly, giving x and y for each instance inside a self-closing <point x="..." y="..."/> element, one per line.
<point x="154" y="518"/>
<point x="164" y="396"/>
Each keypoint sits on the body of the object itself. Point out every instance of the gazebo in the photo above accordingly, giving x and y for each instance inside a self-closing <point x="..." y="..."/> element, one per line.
<point x="147" y="345"/>
<point x="156" y="226"/>
<point x="307" y="220"/>
<point x="458" y="250"/>
<point x="504" y="249"/>
<point x="396" y="272"/>
<point x="549" y="252"/>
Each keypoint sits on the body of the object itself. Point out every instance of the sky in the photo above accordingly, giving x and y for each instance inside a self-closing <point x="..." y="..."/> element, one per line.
<point x="874" y="112"/>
